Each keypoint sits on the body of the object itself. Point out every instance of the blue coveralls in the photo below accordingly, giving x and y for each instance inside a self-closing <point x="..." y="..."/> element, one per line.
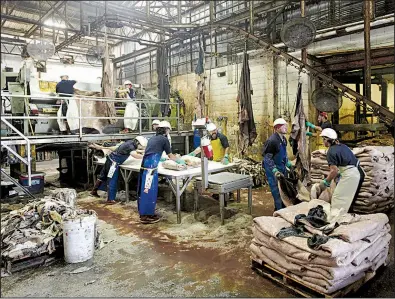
<point x="279" y="161"/>
<point x="147" y="196"/>
<point x="111" y="183"/>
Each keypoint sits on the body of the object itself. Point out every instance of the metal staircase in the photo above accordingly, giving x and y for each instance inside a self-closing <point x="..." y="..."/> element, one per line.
<point x="16" y="183"/>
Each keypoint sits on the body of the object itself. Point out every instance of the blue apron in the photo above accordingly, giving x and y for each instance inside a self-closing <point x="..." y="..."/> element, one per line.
<point x="147" y="195"/>
<point x="111" y="184"/>
<point x="280" y="160"/>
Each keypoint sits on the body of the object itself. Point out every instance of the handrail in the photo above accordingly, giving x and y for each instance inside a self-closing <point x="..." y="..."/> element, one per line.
<point x="28" y="164"/>
<point x="17" y="183"/>
<point x="91" y="98"/>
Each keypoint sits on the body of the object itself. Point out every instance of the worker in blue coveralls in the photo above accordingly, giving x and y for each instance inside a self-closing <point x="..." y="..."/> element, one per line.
<point x="110" y="172"/>
<point x="275" y="159"/>
<point x="148" y="179"/>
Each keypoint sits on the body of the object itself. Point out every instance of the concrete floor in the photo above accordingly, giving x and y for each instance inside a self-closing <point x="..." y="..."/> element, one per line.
<point x="193" y="259"/>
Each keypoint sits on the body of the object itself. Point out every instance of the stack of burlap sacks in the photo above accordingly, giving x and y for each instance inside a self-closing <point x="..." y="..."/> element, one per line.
<point x="377" y="192"/>
<point x="354" y="250"/>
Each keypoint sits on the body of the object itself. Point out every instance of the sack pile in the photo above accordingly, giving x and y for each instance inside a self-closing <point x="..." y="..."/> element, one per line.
<point x="377" y="192"/>
<point x="252" y="168"/>
<point x="36" y="228"/>
<point x="325" y="254"/>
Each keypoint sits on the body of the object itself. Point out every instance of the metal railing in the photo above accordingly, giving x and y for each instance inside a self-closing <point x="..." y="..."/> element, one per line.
<point x="43" y="98"/>
<point x="28" y="161"/>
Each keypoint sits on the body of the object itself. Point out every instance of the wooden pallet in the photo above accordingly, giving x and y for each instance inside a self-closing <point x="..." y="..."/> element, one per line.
<point x="22" y="264"/>
<point x="302" y="289"/>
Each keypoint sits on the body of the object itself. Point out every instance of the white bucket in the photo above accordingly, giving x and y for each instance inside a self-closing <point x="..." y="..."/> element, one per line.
<point x="79" y="238"/>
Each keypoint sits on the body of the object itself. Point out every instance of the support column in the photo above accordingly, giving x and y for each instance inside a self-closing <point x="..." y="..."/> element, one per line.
<point x="367" y="16"/>
<point x="302" y="13"/>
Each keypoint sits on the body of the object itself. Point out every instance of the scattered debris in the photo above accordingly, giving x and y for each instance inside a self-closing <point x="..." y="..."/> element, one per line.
<point x="89" y="282"/>
<point x="80" y="270"/>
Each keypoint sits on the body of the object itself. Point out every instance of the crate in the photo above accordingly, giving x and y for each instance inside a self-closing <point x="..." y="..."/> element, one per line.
<point x="26" y="263"/>
<point x="298" y="287"/>
<point x="37" y="182"/>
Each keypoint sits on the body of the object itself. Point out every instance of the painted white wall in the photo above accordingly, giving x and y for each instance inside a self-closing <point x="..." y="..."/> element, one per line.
<point x="78" y="72"/>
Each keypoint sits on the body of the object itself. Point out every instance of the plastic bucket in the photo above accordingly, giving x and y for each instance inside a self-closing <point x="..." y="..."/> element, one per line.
<point x="79" y="238"/>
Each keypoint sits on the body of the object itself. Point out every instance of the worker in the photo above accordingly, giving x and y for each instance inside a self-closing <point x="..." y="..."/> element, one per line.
<point x="219" y="143"/>
<point x="65" y="88"/>
<point x="110" y="171"/>
<point x="155" y="124"/>
<point x="128" y="85"/>
<point x="148" y="178"/>
<point x="323" y="123"/>
<point x="343" y="165"/>
<point x="275" y="159"/>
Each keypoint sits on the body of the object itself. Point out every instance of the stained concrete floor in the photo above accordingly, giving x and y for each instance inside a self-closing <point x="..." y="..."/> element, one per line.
<point x="169" y="260"/>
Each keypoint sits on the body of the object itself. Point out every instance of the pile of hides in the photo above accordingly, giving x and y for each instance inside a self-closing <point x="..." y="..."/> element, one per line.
<point x="292" y="191"/>
<point x="377" y="192"/>
<point x="253" y="169"/>
<point x="172" y="165"/>
<point x="36" y="228"/>
<point x="324" y="253"/>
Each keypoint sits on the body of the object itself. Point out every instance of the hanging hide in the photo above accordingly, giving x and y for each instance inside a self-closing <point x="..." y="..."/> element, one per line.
<point x="298" y="136"/>
<point x="107" y="89"/>
<point x="163" y="78"/>
<point x="247" y="130"/>
<point x="200" y="85"/>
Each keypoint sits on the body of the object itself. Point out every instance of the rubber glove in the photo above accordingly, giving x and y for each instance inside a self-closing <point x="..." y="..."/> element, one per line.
<point x="180" y="161"/>
<point x="162" y="160"/>
<point x="277" y="173"/>
<point x="225" y="160"/>
<point x="324" y="184"/>
<point x="192" y="154"/>
<point x="309" y="134"/>
<point x="309" y="124"/>
<point x="289" y="164"/>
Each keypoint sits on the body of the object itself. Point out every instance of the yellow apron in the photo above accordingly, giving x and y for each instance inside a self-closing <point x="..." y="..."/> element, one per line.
<point x="345" y="190"/>
<point x="218" y="150"/>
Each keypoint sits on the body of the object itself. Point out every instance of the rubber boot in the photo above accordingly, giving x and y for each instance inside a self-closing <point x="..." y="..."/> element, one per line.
<point x="95" y="188"/>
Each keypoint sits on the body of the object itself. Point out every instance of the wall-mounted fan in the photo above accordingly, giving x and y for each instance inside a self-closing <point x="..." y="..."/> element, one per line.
<point x="41" y="49"/>
<point x="298" y="33"/>
<point x="95" y="55"/>
<point x="326" y="99"/>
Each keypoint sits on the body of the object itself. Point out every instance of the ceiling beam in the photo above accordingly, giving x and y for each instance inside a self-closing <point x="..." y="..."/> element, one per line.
<point x="58" y="4"/>
<point x="60" y="15"/>
<point x="8" y="13"/>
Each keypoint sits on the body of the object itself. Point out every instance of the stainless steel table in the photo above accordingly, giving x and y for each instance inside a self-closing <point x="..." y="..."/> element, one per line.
<point x="222" y="184"/>
<point x="181" y="178"/>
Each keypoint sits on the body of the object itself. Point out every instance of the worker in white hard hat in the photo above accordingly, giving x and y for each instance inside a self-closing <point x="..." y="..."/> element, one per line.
<point x="148" y="178"/>
<point x="110" y="171"/>
<point x="155" y="124"/>
<point x="343" y="162"/>
<point x="128" y="85"/>
<point x="275" y="159"/>
<point x="219" y="143"/>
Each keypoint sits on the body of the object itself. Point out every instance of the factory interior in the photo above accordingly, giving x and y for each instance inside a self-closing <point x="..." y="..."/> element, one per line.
<point x="221" y="148"/>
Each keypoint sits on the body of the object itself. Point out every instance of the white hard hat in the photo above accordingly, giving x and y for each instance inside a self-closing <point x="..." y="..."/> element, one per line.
<point x="164" y="124"/>
<point x="156" y="122"/>
<point x="279" y="121"/>
<point x="142" y="140"/>
<point x="211" y="127"/>
<point x="127" y="82"/>
<point x="329" y="133"/>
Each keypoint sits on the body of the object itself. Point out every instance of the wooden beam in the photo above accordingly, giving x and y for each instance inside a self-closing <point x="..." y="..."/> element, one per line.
<point x="359" y="127"/>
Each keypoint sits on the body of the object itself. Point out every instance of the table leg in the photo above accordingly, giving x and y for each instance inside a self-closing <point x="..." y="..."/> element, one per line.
<point x="178" y="201"/>
<point x="222" y="207"/>
<point x="196" y="201"/>
<point x="238" y="195"/>
<point x="126" y="178"/>
<point x="250" y="200"/>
